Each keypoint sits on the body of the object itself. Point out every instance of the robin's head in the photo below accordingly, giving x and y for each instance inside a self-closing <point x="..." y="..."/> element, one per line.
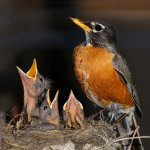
<point x="98" y="33"/>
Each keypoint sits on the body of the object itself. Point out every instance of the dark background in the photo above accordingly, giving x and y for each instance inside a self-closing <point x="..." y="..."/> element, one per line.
<point x="42" y="29"/>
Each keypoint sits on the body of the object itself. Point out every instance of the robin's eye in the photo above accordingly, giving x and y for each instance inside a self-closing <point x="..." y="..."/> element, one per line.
<point x="45" y="107"/>
<point x="98" y="27"/>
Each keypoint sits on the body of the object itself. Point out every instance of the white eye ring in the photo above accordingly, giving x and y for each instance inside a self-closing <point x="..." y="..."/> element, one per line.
<point x="103" y="27"/>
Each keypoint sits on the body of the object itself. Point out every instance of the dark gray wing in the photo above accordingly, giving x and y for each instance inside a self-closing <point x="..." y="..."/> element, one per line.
<point x="122" y="70"/>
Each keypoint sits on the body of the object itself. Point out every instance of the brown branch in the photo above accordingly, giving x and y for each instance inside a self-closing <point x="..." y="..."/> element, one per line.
<point x="141" y="137"/>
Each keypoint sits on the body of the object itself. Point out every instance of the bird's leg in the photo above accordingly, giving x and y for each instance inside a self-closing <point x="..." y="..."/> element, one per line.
<point x="116" y="113"/>
<point x="120" y="118"/>
<point x="112" y="112"/>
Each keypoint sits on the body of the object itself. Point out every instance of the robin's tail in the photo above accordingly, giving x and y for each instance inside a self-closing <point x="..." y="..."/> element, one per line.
<point x="129" y="125"/>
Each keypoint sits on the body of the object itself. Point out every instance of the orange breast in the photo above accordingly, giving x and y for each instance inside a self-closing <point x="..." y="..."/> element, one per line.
<point x="94" y="71"/>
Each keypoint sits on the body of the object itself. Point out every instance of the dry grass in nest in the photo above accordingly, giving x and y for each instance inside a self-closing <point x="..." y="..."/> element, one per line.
<point x="95" y="135"/>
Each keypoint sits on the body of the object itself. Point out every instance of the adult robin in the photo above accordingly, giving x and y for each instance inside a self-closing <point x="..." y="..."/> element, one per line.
<point x="34" y="84"/>
<point x="103" y="73"/>
<point x="73" y="113"/>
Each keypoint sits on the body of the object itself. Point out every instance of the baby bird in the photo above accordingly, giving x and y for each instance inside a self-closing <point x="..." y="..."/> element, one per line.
<point x="34" y="85"/>
<point x="46" y="113"/>
<point x="73" y="113"/>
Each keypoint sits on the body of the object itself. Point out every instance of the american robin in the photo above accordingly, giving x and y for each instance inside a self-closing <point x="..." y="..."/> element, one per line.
<point x="45" y="112"/>
<point x="103" y="73"/>
<point x="41" y="110"/>
<point x="34" y="85"/>
<point x="73" y="113"/>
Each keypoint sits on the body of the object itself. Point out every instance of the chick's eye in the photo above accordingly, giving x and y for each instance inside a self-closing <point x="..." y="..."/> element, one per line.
<point x="41" y="79"/>
<point x="98" y="27"/>
<point x="45" y="107"/>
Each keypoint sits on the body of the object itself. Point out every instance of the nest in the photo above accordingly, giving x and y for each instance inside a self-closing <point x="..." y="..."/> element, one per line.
<point x="95" y="135"/>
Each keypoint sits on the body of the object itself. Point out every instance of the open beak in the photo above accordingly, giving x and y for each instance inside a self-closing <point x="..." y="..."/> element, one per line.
<point x="33" y="70"/>
<point x="54" y="118"/>
<point x="81" y="24"/>
<point x="31" y="74"/>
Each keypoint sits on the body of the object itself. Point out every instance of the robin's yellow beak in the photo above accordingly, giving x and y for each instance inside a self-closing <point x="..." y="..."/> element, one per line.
<point x="33" y="70"/>
<point x="81" y="24"/>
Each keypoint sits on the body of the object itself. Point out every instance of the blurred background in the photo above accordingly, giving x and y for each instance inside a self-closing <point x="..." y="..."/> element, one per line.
<point x="41" y="29"/>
